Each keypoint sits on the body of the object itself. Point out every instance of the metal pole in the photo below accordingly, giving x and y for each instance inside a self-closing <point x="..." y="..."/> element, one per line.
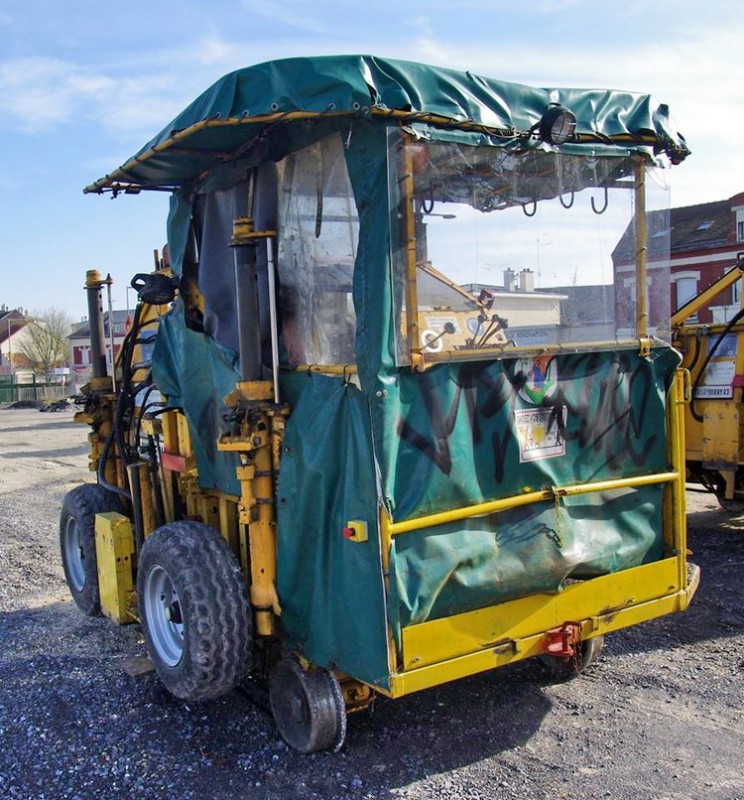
<point x="95" y="316"/>
<point x="10" y="346"/>
<point x="246" y="290"/>
<point x="273" y="317"/>
<point x="641" y="251"/>
<point x="109" y="281"/>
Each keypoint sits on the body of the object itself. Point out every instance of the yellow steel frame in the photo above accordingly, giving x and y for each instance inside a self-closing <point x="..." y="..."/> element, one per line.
<point x="442" y="650"/>
<point x="546" y="495"/>
<point x="704" y="298"/>
<point x="409" y="226"/>
<point x="641" y="251"/>
<point x="171" y="143"/>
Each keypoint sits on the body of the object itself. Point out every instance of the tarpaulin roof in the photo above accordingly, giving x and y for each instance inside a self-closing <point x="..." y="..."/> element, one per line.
<point x="233" y="117"/>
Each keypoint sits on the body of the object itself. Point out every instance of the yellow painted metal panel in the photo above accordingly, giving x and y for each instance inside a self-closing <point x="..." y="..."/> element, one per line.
<point x="499" y="654"/>
<point x="114" y="554"/>
<point x="721" y="433"/>
<point x="439" y="640"/>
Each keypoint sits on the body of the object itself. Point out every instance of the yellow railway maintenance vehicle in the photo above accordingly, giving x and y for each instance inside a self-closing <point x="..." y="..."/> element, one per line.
<point x="338" y="455"/>
<point x="714" y="419"/>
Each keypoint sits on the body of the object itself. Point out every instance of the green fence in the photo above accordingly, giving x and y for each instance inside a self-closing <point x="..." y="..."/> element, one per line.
<point x="11" y="392"/>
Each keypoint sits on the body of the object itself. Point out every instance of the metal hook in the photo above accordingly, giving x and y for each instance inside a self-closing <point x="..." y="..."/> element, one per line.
<point x="559" y="173"/>
<point x="604" y="207"/>
<point x="534" y="209"/>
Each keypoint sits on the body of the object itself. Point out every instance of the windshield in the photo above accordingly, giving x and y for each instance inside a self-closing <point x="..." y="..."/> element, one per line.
<point x="515" y="250"/>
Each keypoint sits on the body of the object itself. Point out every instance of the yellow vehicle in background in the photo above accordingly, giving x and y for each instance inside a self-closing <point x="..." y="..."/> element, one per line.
<point x="714" y="418"/>
<point x="332" y="455"/>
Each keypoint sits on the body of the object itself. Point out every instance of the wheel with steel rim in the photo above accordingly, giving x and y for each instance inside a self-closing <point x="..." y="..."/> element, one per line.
<point x="193" y="610"/>
<point x="77" y="540"/>
<point x="308" y="706"/>
<point x="584" y="656"/>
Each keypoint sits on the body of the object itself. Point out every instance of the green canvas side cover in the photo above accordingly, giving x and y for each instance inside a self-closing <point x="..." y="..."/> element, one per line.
<point x="196" y="374"/>
<point x="463" y="434"/>
<point x="330" y="588"/>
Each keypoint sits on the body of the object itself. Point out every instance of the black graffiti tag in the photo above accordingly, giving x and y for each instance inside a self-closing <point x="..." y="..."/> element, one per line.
<point x="606" y="407"/>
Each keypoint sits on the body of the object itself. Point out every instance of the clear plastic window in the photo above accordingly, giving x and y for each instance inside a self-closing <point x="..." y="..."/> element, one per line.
<point x="519" y="250"/>
<point x="317" y="245"/>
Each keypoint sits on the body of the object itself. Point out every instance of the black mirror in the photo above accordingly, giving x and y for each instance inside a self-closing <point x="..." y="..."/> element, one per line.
<point x="156" y="289"/>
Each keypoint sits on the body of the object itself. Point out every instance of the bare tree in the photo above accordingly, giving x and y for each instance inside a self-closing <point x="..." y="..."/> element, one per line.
<point x="44" y="343"/>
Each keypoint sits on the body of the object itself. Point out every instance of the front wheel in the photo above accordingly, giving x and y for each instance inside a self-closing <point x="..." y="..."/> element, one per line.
<point x="77" y="539"/>
<point x="193" y="609"/>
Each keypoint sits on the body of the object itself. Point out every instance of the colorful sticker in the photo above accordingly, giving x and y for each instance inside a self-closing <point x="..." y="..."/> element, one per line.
<point x="540" y="433"/>
<point x="540" y="383"/>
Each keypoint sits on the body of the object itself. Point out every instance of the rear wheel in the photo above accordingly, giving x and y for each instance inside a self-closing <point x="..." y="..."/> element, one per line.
<point x="77" y="538"/>
<point x="193" y="609"/>
<point x="585" y="654"/>
<point x="308" y="706"/>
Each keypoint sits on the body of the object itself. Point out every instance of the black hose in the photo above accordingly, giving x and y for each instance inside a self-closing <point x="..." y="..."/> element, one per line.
<point x="120" y="409"/>
<point x="100" y="472"/>
<point x="711" y="353"/>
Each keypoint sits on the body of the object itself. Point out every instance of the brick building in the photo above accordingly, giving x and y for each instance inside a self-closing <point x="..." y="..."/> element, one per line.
<point x="702" y="242"/>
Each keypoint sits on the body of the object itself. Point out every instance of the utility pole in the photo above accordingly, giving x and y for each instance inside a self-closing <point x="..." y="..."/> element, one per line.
<point x="10" y="346"/>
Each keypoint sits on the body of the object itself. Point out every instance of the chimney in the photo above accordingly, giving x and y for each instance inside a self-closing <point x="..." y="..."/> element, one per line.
<point x="510" y="280"/>
<point x="526" y="280"/>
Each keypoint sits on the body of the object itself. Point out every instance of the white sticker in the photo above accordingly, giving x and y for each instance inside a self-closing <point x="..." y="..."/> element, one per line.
<point x="720" y="392"/>
<point x="540" y="432"/>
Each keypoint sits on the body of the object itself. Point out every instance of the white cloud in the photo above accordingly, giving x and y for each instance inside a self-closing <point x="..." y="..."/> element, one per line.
<point x="212" y="49"/>
<point x="281" y="13"/>
<point x="425" y="42"/>
<point x="36" y="92"/>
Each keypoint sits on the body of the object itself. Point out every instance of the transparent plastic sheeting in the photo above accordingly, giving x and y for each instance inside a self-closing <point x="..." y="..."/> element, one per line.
<point x="519" y="250"/>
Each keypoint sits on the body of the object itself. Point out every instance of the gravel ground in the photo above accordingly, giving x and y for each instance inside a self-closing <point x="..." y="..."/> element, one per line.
<point x="658" y="717"/>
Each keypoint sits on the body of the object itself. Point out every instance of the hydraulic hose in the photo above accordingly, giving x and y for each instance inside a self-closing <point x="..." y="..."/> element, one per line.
<point x="739" y="314"/>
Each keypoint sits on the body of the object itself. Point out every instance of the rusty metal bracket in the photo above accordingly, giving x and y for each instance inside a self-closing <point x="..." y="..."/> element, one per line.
<point x="561" y="642"/>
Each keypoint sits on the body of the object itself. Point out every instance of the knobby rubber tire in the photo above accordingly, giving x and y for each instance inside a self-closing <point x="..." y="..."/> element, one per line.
<point x="77" y="539"/>
<point x="208" y="603"/>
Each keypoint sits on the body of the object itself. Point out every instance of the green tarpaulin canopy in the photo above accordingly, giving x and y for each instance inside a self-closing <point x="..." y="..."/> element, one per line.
<point x="231" y="119"/>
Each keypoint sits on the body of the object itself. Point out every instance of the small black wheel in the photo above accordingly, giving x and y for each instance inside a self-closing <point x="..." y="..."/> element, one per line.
<point x="77" y="539"/>
<point x="308" y="707"/>
<point x="193" y="609"/>
<point x="584" y="656"/>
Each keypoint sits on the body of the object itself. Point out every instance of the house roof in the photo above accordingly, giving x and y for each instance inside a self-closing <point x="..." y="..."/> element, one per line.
<point x="11" y="321"/>
<point x="587" y="304"/>
<point x="83" y="330"/>
<point x="704" y="226"/>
